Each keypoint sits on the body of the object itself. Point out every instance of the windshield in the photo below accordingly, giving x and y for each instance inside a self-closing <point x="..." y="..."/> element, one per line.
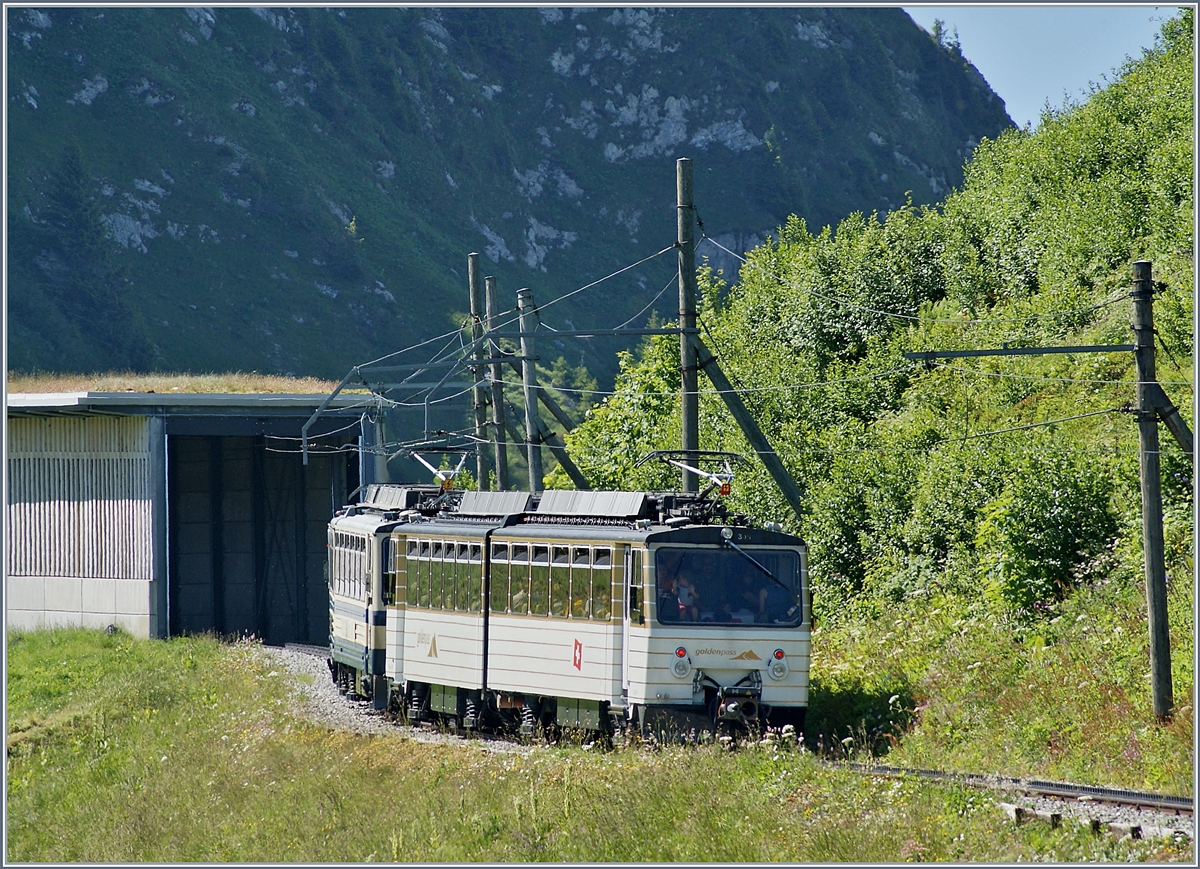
<point x="725" y="587"/>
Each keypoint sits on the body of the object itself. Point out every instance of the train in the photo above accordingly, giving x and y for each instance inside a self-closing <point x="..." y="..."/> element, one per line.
<point x="555" y="611"/>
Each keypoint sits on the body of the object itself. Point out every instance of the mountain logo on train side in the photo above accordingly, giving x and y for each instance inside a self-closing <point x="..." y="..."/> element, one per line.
<point x="747" y="655"/>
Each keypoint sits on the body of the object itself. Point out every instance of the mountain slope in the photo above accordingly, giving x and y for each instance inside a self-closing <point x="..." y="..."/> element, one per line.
<point x="296" y="190"/>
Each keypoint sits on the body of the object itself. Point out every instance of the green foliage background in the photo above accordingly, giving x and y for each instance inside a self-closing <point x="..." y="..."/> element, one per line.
<point x="913" y="481"/>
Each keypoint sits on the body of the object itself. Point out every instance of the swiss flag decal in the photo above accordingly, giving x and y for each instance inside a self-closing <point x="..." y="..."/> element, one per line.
<point x="577" y="658"/>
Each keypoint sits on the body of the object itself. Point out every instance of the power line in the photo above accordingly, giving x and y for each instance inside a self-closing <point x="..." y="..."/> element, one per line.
<point x="606" y="277"/>
<point x="816" y="384"/>
<point x="1054" y="379"/>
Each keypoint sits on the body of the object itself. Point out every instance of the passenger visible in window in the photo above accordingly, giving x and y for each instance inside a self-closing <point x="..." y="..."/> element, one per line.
<point x="687" y="597"/>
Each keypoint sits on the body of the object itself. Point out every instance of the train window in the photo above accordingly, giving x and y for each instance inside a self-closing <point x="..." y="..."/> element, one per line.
<point x="474" y="578"/>
<point x="499" y="578"/>
<point x="581" y="586"/>
<point x="412" y="571"/>
<point x="602" y="584"/>
<point x="389" y="571"/>
<point x="539" y="581"/>
<point x="581" y="555"/>
<point x="560" y="581"/>
<point x="728" y="587"/>
<point x="423" y="576"/>
<point x="636" y="597"/>
<point x="518" y="583"/>
<point x="437" y="577"/>
<point x="460" y="576"/>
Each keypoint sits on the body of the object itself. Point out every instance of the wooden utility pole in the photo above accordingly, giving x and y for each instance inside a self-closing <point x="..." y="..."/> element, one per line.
<point x="685" y="217"/>
<point x="533" y="447"/>
<point x="1152" y="530"/>
<point x="500" y="447"/>
<point x="477" y="313"/>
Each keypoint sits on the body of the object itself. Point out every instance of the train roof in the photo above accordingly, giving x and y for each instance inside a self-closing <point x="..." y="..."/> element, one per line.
<point x="652" y="517"/>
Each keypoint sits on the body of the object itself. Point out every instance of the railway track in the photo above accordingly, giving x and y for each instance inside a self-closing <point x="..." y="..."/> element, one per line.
<point x="1040" y="787"/>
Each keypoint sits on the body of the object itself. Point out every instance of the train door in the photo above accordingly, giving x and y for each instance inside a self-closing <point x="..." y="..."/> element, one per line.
<point x="627" y="598"/>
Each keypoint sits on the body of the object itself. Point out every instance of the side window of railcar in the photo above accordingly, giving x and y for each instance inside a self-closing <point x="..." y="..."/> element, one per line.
<point x="560" y="581"/>
<point x="602" y="583"/>
<point x="458" y="600"/>
<point x="581" y="582"/>
<point x="539" y="581"/>
<point x="518" y="598"/>
<point x="637" y="603"/>
<point x="499" y="577"/>
<point x="424" y="574"/>
<point x="474" y="577"/>
<point x="399" y="570"/>
<point x="389" y="570"/>
<point x="412" y="572"/>
<point x="437" y="575"/>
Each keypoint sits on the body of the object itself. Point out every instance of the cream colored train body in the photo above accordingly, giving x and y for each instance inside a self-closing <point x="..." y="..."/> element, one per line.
<point x="591" y="610"/>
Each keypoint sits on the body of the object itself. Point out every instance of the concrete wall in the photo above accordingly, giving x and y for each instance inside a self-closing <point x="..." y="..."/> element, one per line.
<point x="84" y="499"/>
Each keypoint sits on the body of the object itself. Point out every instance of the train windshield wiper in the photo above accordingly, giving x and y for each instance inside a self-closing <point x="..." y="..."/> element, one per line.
<point x="746" y="555"/>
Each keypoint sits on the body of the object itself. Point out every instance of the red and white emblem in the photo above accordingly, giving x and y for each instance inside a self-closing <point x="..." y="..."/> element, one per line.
<point x="577" y="658"/>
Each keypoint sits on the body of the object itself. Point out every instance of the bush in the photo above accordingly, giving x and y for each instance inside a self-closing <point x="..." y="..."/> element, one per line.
<point x="1054" y="514"/>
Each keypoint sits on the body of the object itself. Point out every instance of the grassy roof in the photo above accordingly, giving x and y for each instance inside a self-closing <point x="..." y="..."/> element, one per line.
<point x="115" y="381"/>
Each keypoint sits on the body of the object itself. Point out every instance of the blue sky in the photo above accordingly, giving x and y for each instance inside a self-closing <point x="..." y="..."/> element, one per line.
<point x="1030" y="54"/>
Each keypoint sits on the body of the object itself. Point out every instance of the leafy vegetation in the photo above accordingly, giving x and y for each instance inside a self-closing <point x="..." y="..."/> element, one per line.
<point x="959" y="514"/>
<point x="914" y="469"/>
<point x="125" y="750"/>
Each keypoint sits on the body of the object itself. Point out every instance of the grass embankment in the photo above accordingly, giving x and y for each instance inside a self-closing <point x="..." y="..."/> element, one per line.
<point x="236" y="382"/>
<point x="188" y="750"/>
<point x="945" y="683"/>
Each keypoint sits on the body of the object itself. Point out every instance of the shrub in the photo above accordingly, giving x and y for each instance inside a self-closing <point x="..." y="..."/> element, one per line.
<point x="1054" y="513"/>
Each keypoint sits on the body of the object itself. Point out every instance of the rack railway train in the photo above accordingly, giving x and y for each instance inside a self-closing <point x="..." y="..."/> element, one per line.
<point x="560" y="610"/>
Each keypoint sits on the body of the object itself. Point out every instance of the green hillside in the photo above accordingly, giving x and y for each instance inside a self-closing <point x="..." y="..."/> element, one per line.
<point x="905" y="488"/>
<point x="297" y="190"/>
<point x="975" y="526"/>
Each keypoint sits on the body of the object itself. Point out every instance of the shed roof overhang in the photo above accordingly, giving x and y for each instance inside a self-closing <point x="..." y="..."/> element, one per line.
<point x="204" y="413"/>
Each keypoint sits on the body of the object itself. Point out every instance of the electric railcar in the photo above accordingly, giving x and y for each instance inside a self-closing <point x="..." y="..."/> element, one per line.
<point x="589" y="610"/>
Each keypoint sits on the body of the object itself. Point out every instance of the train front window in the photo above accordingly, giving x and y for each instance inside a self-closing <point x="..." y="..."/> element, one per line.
<point x="724" y="587"/>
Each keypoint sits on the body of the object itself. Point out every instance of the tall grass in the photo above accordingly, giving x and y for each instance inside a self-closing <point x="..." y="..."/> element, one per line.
<point x="189" y="750"/>
<point x="1066" y="697"/>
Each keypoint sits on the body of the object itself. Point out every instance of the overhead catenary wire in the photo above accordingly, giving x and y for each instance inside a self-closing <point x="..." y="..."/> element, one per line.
<point x="810" y="384"/>
<point x="977" y="371"/>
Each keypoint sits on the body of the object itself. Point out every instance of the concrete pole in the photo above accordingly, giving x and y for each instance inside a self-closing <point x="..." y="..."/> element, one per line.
<point x="1152" y="522"/>
<point x="498" y="437"/>
<point x="690" y="406"/>
<point x="533" y="446"/>
<point x="475" y="282"/>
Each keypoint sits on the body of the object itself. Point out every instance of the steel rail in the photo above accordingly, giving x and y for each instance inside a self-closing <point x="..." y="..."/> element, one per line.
<point x="1064" y="790"/>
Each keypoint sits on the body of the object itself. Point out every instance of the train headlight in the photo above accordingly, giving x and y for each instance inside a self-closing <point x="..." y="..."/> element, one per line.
<point x="681" y="666"/>
<point x="778" y="667"/>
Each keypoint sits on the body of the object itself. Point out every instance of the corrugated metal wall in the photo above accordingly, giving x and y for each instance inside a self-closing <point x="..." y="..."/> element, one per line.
<point x="80" y="497"/>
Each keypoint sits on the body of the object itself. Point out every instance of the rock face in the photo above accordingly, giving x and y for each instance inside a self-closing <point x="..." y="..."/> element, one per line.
<point x="297" y="190"/>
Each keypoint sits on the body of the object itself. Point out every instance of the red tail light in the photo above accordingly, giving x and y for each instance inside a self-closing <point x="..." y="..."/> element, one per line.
<point x="777" y="654"/>
<point x="681" y="652"/>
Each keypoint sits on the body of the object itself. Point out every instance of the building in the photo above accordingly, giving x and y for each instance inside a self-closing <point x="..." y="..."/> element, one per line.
<point x="178" y="513"/>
